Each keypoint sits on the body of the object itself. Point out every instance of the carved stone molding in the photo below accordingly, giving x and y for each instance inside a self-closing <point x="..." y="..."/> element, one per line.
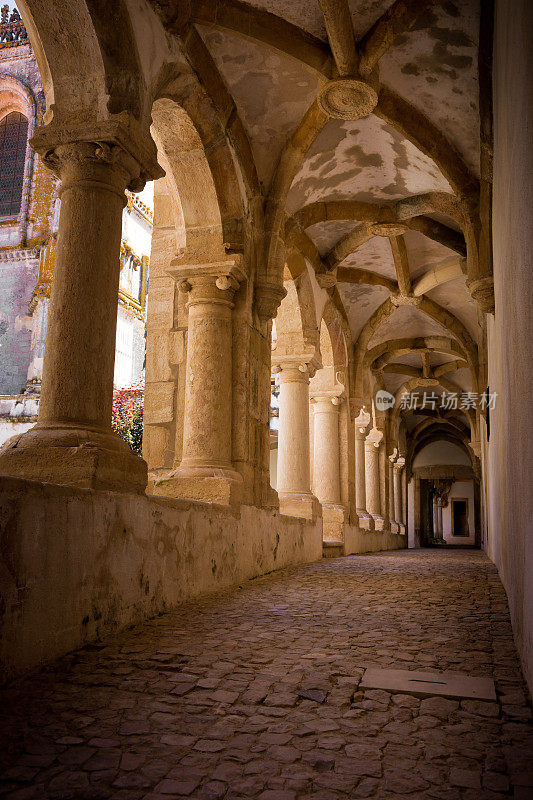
<point x="387" y="228"/>
<point x="327" y="280"/>
<point x="347" y="98"/>
<point x="213" y="283"/>
<point x="374" y="438"/>
<point x="117" y="141"/>
<point x="267" y="299"/>
<point x="405" y="300"/>
<point x="482" y="290"/>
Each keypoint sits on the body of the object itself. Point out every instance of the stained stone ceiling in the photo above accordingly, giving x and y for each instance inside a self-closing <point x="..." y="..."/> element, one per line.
<point x="408" y="160"/>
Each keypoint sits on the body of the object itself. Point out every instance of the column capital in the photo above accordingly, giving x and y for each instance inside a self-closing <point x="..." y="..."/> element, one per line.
<point x="362" y="421"/>
<point x="393" y="456"/>
<point x="213" y="283"/>
<point x="118" y="142"/>
<point x="299" y="367"/>
<point x="399" y="464"/>
<point x="374" y="439"/>
<point x="328" y="398"/>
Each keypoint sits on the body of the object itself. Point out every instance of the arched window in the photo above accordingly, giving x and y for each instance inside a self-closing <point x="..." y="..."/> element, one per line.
<point x="13" y="137"/>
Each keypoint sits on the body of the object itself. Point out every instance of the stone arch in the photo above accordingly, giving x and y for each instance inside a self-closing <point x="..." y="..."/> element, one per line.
<point x="190" y="184"/>
<point x="297" y="332"/>
<point x="415" y="383"/>
<point x="190" y="132"/>
<point x="432" y="310"/>
<point x="384" y="353"/>
<point x="87" y="57"/>
<point x="333" y="339"/>
<point x="14" y="96"/>
<point x="440" y="435"/>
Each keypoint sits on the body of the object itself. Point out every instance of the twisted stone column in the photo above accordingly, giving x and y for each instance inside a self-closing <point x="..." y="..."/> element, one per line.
<point x="361" y="429"/>
<point x="326" y="471"/>
<point x="206" y="471"/>
<point x="73" y="442"/>
<point x="294" y="491"/>
<point x="372" y="445"/>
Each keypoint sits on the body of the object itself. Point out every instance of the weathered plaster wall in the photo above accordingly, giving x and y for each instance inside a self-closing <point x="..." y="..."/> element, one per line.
<point x="510" y="452"/>
<point x="79" y="564"/>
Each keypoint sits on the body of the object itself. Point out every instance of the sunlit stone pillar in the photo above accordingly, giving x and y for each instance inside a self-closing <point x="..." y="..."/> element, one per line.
<point x="73" y="442"/>
<point x="294" y="491"/>
<point x="326" y="456"/>
<point x="398" y="499"/>
<point x="361" y="429"/>
<point x="372" y="444"/>
<point x="206" y="471"/>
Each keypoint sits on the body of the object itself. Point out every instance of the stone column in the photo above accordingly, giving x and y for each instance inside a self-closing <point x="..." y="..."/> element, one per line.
<point x="439" y="517"/>
<point x="398" y="499"/>
<point x="361" y="429"/>
<point x="372" y="445"/>
<point x="405" y="496"/>
<point x="294" y="491"/>
<point x="392" y="508"/>
<point x="435" y="518"/>
<point x="326" y="469"/>
<point x="206" y="471"/>
<point x="73" y="442"/>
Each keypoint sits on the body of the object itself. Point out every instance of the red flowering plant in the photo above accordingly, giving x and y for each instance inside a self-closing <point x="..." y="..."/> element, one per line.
<point x="127" y="417"/>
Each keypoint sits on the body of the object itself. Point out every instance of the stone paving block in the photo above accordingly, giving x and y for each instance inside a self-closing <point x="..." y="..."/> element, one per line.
<point x="257" y="693"/>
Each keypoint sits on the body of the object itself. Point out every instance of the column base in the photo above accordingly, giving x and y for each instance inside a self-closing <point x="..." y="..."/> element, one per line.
<point x="334" y="518"/>
<point x="401" y="530"/>
<point x="365" y="521"/>
<point x="379" y="523"/>
<point x="299" y="504"/>
<point x="89" y="458"/>
<point x="204" y="484"/>
<point x="394" y="527"/>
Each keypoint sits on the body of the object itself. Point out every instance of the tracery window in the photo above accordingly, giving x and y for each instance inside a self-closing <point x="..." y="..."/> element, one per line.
<point x="13" y="139"/>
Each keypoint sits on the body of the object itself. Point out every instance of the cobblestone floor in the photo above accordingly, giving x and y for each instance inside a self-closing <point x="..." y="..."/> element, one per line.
<point x="253" y="693"/>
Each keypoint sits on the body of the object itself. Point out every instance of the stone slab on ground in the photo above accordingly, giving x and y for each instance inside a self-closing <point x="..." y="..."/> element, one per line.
<point x="447" y="684"/>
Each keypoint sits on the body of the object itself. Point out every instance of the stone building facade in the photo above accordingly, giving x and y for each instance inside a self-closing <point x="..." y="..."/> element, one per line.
<point x="29" y="219"/>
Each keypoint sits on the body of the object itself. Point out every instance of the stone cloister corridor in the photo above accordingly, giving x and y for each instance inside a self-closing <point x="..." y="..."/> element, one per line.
<point x="254" y="693"/>
<point x="266" y="370"/>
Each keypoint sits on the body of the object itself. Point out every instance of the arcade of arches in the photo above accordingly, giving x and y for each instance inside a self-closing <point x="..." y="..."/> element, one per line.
<point x="339" y="325"/>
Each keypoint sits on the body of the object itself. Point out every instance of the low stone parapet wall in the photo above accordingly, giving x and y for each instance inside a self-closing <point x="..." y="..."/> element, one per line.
<point x="77" y="564"/>
<point x="357" y="540"/>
